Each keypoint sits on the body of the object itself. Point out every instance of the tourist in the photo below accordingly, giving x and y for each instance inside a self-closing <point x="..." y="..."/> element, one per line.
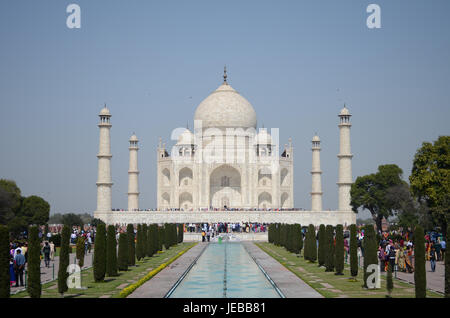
<point x="382" y="258"/>
<point x="46" y="251"/>
<point x="437" y="247"/>
<point x="433" y="258"/>
<point x="208" y="234"/>
<point x="12" y="274"/>
<point x="443" y="245"/>
<point x="52" y="251"/>
<point x="19" y="261"/>
<point x="203" y="235"/>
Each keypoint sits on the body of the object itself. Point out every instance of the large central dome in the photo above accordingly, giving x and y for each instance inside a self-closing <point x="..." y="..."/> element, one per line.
<point x="225" y="108"/>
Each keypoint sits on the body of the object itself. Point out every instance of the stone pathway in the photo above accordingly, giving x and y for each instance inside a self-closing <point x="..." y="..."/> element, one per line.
<point x="159" y="285"/>
<point x="47" y="274"/>
<point x="289" y="283"/>
<point x="435" y="280"/>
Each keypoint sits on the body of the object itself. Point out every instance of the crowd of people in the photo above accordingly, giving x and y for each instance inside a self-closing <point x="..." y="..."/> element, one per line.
<point x="396" y="248"/>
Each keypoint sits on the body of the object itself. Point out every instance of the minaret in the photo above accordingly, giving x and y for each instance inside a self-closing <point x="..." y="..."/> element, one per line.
<point x="316" y="188"/>
<point x="345" y="161"/>
<point x="104" y="163"/>
<point x="133" y="173"/>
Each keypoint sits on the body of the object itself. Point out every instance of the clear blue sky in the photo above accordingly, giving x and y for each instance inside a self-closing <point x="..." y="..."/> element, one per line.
<point x="297" y="62"/>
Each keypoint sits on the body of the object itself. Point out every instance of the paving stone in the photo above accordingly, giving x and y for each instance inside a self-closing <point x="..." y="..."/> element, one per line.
<point x="326" y="285"/>
<point x="105" y="296"/>
<point x="122" y="286"/>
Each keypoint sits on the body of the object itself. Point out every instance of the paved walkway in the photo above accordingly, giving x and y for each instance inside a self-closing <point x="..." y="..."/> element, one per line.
<point x="435" y="280"/>
<point x="49" y="274"/>
<point x="289" y="283"/>
<point x="159" y="286"/>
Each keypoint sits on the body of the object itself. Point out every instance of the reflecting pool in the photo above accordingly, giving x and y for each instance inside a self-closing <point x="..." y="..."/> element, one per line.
<point x="225" y="270"/>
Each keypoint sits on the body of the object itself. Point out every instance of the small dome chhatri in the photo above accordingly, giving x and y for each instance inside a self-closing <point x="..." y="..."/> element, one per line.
<point x="226" y="108"/>
<point x="105" y="111"/>
<point x="263" y="137"/>
<point x="186" y="138"/>
<point x="316" y="138"/>
<point x="344" y="111"/>
<point x="134" y="137"/>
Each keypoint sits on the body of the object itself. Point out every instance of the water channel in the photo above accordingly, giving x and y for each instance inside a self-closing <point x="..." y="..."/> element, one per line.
<point x="225" y="270"/>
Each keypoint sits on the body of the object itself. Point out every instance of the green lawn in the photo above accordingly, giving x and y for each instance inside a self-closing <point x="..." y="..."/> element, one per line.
<point x="112" y="285"/>
<point x="330" y="285"/>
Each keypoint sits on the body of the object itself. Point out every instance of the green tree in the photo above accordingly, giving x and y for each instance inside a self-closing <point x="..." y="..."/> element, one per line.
<point x="430" y="178"/>
<point x="160" y="237"/>
<point x="34" y="263"/>
<point x="131" y="245"/>
<point x="99" y="261"/>
<point x="139" y="246"/>
<point x="322" y="249"/>
<point x="80" y="251"/>
<point x="63" y="260"/>
<point x="35" y="209"/>
<point x="111" y="251"/>
<point x="312" y="248"/>
<point x="353" y="251"/>
<point x="370" y="251"/>
<point x="144" y="240"/>
<point x="72" y="219"/>
<point x="10" y="200"/>
<point x="122" y="261"/>
<point x="150" y="238"/>
<point x="420" y="278"/>
<point x="329" y="249"/>
<point x="339" y="252"/>
<point x="369" y="192"/>
<point x="5" y="289"/>
<point x="389" y="281"/>
<point x="447" y="265"/>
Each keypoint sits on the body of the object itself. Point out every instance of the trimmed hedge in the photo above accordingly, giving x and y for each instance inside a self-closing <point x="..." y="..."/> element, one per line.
<point x="34" y="263"/>
<point x="122" y="259"/>
<point x="353" y="251"/>
<point x="370" y="250"/>
<point x="131" y="245"/>
<point x="99" y="261"/>
<point x="339" y="251"/>
<point x="322" y="249"/>
<point x="5" y="288"/>
<point x="63" y="260"/>
<point x="420" y="277"/>
<point x="111" y="252"/>
<point x="329" y="249"/>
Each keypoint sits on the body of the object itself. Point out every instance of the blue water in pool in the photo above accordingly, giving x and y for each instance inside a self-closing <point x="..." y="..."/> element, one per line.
<point x="225" y="270"/>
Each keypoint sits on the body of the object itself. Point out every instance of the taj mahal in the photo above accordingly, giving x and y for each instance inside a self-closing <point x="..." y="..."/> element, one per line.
<point x="224" y="170"/>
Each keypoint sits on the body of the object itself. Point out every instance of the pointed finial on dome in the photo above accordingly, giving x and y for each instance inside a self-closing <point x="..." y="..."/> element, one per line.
<point x="225" y="74"/>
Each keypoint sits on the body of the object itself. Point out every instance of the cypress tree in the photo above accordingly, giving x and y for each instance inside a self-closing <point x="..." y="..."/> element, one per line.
<point x="353" y="251"/>
<point x="5" y="288"/>
<point x="160" y="237"/>
<point x="151" y="244"/>
<point x="144" y="240"/>
<point x="131" y="245"/>
<point x="99" y="261"/>
<point x="389" y="281"/>
<point x="122" y="260"/>
<point x="321" y="252"/>
<point x="34" y="263"/>
<point x="370" y="250"/>
<point x="80" y="251"/>
<point x="63" y="260"/>
<point x="447" y="264"/>
<point x="329" y="250"/>
<point x="313" y="244"/>
<point x="139" y="242"/>
<point x="420" y="278"/>
<point x="339" y="252"/>
<point x="180" y="233"/>
<point x="300" y="235"/>
<point x="111" y="251"/>
<point x="167" y="236"/>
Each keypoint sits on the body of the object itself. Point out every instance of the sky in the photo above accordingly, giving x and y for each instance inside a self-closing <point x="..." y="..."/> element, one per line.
<point x="153" y="62"/>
